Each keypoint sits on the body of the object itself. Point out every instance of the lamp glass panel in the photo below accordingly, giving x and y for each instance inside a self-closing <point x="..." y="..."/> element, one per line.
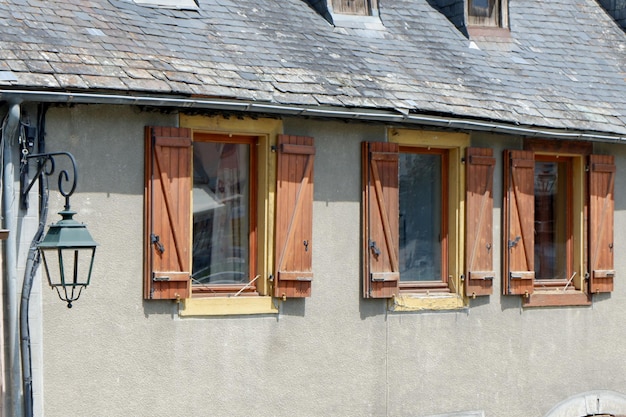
<point x="68" y="267"/>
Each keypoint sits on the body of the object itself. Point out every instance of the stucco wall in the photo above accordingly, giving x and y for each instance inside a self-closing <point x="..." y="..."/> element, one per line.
<point x="114" y="354"/>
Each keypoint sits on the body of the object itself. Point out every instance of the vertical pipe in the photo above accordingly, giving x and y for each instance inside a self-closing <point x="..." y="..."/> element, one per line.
<point x="10" y="133"/>
<point x="32" y="263"/>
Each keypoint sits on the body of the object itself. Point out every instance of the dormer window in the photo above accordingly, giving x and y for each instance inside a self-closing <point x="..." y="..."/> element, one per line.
<point x="487" y="13"/>
<point x="356" y="14"/>
<point x="353" y="7"/>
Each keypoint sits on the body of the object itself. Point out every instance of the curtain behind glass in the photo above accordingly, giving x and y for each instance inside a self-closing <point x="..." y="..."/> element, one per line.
<point x="220" y="217"/>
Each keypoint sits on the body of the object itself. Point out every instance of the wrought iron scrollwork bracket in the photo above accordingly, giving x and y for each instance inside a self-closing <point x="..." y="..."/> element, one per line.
<point x="47" y="167"/>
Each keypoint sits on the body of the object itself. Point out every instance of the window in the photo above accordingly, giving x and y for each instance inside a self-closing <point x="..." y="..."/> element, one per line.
<point x="423" y="225"/>
<point x="413" y="241"/>
<point x="224" y="226"/>
<point x="487" y="13"/>
<point x="553" y="220"/>
<point x="208" y="223"/>
<point x="546" y="200"/>
<point x="352" y="7"/>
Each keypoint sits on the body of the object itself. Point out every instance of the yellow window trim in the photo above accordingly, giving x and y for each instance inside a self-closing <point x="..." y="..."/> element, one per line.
<point x="420" y="302"/>
<point x="267" y="130"/>
<point x="227" y="306"/>
<point x="456" y="144"/>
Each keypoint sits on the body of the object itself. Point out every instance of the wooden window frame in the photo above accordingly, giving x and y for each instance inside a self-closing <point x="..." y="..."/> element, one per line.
<point x="249" y="288"/>
<point x="570" y="178"/>
<point x="442" y="284"/>
<point x="500" y="29"/>
<point x="367" y="8"/>
<point x="592" y="176"/>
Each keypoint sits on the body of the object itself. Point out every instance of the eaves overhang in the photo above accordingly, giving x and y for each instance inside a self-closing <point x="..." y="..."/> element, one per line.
<point x="389" y="116"/>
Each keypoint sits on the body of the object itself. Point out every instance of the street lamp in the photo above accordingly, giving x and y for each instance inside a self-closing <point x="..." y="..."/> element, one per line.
<point x="67" y="247"/>
<point x="67" y="250"/>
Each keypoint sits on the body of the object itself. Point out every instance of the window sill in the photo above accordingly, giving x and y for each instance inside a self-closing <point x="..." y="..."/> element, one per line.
<point x="227" y="306"/>
<point x="556" y="298"/>
<point x="420" y="302"/>
<point x="371" y="22"/>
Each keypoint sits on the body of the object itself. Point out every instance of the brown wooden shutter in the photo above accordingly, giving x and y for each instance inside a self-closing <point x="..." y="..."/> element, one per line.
<point x="168" y="213"/>
<point x="518" y="246"/>
<point x="601" y="203"/>
<point x="294" y="216"/>
<point x="381" y="208"/>
<point x="479" y="163"/>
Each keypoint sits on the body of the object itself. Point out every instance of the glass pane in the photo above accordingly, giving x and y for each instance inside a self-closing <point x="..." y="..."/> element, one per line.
<point x="420" y="217"/>
<point x="220" y="213"/>
<point x="484" y="12"/>
<point x="482" y="8"/>
<point x="551" y="228"/>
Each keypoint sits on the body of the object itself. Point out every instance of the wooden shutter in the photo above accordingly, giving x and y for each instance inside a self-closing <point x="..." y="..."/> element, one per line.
<point x="168" y="213"/>
<point x="601" y="203"/>
<point x="479" y="167"/>
<point x="381" y="274"/>
<point x="518" y="246"/>
<point x="294" y="216"/>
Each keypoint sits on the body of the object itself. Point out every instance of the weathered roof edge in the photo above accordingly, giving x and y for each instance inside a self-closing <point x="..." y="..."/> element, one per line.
<point x="364" y="114"/>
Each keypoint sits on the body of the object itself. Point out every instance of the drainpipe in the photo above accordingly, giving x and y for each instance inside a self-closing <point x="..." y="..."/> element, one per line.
<point x="10" y="134"/>
<point x="32" y="263"/>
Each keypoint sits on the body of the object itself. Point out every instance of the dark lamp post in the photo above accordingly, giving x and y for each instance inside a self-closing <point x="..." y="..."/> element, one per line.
<point x="69" y="249"/>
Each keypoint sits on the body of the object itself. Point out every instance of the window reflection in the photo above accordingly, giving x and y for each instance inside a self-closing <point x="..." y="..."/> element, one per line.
<point x="220" y="213"/>
<point x="551" y="224"/>
<point x="420" y="217"/>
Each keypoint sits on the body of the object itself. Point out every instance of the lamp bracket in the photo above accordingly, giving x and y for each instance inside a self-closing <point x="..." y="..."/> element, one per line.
<point x="46" y="166"/>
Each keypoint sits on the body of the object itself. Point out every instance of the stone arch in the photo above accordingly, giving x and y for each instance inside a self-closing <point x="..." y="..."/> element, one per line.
<point x="591" y="403"/>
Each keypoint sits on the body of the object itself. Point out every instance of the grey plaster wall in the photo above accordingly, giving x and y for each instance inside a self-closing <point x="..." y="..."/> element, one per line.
<point x="335" y="354"/>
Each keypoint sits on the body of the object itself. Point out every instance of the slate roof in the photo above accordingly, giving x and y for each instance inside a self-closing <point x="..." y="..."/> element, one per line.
<point x="563" y="67"/>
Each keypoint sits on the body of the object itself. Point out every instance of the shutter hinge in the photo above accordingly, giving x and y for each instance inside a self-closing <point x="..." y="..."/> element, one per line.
<point x="160" y="279"/>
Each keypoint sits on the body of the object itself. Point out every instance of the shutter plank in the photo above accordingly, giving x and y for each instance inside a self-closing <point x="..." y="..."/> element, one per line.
<point x="480" y="165"/>
<point x="381" y="215"/>
<point x="168" y="213"/>
<point x="294" y="216"/>
<point x="519" y="241"/>
<point x="601" y="206"/>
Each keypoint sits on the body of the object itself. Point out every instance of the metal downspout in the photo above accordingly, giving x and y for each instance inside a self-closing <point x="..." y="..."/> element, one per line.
<point x="10" y="133"/>
<point x="32" y="263"/>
